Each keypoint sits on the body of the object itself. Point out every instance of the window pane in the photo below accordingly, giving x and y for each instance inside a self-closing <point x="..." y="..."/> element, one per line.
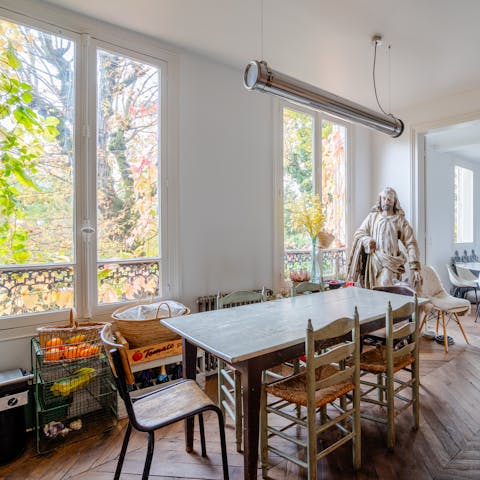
<point x="36" y="170"/>
<point x="128" y="140"/>
<point x="297" y="179"/>
<point x="463" y="205"/>
<point x="333" y="180"/>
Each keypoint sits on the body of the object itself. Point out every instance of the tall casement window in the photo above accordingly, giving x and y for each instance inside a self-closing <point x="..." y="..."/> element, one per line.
<point x="82" y="169"/>
<point x="463" y="204"/>
<point x="314" y="162"/>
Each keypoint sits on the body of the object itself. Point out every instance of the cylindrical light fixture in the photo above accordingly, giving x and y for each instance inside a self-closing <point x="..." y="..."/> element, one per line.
<point x="258" y="76"/>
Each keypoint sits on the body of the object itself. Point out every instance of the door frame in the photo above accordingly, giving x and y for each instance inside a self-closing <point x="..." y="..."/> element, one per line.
<point x="418" y="166"/>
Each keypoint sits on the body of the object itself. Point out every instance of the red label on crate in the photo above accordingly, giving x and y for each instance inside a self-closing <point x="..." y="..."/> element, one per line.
<point x="153" y="352"/>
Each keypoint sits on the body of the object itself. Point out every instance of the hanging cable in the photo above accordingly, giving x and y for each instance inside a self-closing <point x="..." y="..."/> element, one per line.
<point x="377" y="40"/>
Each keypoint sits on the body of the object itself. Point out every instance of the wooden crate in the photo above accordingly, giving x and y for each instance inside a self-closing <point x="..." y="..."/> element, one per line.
<point x="157" y="351"/>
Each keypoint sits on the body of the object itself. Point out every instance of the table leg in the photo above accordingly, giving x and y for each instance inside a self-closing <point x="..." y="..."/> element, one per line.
<point x="189" y="368"/>
<point x="251" y="388"/>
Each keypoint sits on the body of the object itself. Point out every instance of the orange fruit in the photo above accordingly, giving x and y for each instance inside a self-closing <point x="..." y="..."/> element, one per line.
<point x="71" y="352"/>
<point x="52" y="354"/>
<point x="76" y="339"/>
<point x="54" y="342"/>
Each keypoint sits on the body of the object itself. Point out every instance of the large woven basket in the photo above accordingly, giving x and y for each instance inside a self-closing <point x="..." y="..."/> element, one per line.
<point x="141" y="332"/>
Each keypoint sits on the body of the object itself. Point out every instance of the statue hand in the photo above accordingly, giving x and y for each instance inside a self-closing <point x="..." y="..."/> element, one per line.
<point x="416" y="279"/>
<point x="371" y="246"/>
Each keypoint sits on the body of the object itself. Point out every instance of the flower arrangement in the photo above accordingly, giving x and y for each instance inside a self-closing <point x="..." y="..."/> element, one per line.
<point x="307" y="214"/>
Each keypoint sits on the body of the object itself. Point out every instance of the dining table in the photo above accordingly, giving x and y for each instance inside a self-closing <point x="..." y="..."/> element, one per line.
<point x="253" y="338"/>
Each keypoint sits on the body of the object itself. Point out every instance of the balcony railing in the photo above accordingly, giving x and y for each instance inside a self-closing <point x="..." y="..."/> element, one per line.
<point x="332" y="261"/>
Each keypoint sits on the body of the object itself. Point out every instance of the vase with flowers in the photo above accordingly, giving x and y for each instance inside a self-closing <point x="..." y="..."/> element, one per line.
<point x="307" y="216"/>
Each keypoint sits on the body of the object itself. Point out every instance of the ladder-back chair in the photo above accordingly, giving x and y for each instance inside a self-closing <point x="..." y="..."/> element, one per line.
<point x="326" y="381"/>
<point x="229" y="379"/>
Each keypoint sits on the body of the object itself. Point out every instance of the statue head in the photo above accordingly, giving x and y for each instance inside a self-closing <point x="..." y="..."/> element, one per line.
<point x="388" y="201"/>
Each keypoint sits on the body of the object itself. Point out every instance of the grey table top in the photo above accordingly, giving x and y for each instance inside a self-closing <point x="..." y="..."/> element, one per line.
<point x="240" y="333"/>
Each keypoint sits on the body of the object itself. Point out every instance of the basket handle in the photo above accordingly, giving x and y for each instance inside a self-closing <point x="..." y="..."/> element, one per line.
<point x="73" y="318"/>
<point x="168" y="306"/>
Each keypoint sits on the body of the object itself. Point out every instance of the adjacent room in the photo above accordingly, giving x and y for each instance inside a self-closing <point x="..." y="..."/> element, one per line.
<point x="239" y="239"/>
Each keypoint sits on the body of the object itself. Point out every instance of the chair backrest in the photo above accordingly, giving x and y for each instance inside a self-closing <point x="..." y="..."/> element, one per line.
<point x="466" y="274"/>
<point x="455" y="280"/>
<point x="240" y="297"/>
<point x="432" y="285"/>
<point x="400" y="289"/>
<point x="342" y="328"/>
<point x="307" y="287"/>
<point x="409" y="330"/>
<point x="122" y="372"/>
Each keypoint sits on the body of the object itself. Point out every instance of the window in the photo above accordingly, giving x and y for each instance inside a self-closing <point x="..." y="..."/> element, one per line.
<point x="83" y="208"/>
<point x="463" y="191"/>
<point x="314" y="161"/>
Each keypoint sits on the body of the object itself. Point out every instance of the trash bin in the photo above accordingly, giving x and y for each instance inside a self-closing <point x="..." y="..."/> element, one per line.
<point x="13" y="398"/>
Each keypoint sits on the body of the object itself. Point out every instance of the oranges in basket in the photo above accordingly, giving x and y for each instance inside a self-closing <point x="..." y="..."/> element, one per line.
<point x="73" y="348"/>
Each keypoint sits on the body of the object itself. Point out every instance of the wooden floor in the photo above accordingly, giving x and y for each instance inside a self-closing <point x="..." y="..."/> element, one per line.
<point x="447" y="445"/>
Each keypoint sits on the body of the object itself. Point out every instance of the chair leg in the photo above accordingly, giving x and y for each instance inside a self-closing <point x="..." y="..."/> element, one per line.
<point x="263" y="432"/>
<point x="202" y="434"/>
<point x="123" y="451"/>
<point x="357" y="435"/>
<point x="223" y="443"/>
<point x="445" y="338"/>
<point x="380" y="390"/>
<point x="220" y="366"/>
<point x="390" y="411"/>
<point x="148" y="460"/>
<point x="415" y="394"/>
<point x="461" y="327"/>
<point x="238" y="410"/>
<point x="311" y="442"/>
<point x="438" y="321"/>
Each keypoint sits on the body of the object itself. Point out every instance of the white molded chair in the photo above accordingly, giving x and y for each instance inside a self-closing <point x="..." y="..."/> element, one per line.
<point x="462" y="285"/>
<point x="442" y="303"/>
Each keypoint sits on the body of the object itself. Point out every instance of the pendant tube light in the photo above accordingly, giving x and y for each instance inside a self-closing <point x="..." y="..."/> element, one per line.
<point x="258" y="76"/>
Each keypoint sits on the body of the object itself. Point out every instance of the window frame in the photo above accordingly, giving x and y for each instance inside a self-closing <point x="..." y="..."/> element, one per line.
<point x="279" y="282"/>
<point x="117" y="40"/>
<point x="466" y="166"/>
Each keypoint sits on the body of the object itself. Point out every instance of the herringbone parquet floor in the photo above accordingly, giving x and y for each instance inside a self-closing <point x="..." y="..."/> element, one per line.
<point x="447" y="445"/>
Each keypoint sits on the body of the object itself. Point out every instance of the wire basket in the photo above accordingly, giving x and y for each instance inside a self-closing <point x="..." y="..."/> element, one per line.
<point x="139" y="332"/>
<point x="71" y="342"/>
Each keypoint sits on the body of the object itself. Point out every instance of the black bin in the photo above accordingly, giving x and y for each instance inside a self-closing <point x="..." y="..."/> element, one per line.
<point x="13" y="399"/>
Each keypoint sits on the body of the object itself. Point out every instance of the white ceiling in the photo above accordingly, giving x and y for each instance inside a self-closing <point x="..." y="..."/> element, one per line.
<point x="462" y="140"/>
<point x="434" y="43"/>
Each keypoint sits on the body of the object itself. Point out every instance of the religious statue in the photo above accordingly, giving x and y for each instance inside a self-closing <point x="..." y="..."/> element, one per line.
<point x="382" y="246"/>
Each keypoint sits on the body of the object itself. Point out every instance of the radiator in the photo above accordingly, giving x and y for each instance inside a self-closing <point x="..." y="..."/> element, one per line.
<point x="206" y="303"/>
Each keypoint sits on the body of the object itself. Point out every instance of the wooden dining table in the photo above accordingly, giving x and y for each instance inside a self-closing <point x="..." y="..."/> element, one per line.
<point x="255" y="337"/>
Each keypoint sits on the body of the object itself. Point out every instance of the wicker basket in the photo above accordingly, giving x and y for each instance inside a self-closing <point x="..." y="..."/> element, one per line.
<point x="70" y="342"/>
<point x="141" y="332"/>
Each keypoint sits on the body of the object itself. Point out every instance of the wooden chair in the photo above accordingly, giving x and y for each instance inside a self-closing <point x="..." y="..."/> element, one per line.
<point x="326" y="380"/>
<point x="442" y="303"/>
<point x="306" y="287"/>
<point x="380" y="336"/>
<point x="385" y="362"/>
<point x="229" y="379"/>
<point x="157" y="409"/>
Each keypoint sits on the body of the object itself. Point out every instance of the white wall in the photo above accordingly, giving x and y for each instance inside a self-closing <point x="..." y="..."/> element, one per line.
<point x="226" y="178"/>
